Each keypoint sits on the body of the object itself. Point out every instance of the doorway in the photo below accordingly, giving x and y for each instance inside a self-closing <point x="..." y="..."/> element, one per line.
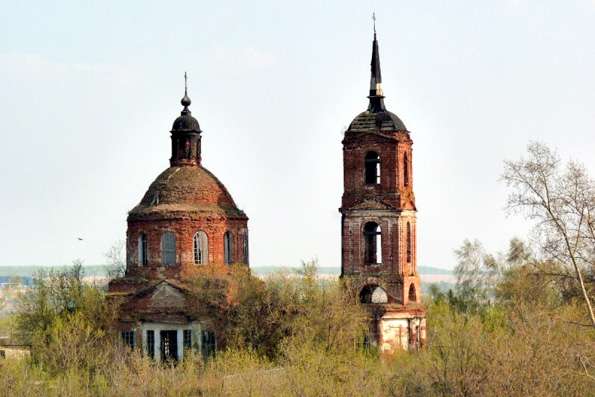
<point x="169" y="345"/>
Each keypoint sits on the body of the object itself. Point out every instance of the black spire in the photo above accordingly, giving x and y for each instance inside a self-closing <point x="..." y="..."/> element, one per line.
<point x="376" y="96"/>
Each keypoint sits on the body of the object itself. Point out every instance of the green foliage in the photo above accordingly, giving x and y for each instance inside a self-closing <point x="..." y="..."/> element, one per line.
<point x="295" y="335"/>
<point x="66" y="322"/>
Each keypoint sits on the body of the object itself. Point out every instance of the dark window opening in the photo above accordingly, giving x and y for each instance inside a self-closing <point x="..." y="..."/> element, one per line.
<point x="187" y="339"/>
<point x="409" y="242"/>
<point x="169" y="345"/>
<point x="228" y="248"/>
<point x="128" y="338"/>
<point x="151" y="344"/>
<point x="412" y="295"/>
<point x="142" y="250"/>
<point x="405" y="170"/>
<point x="373" y="243"/>
<point x="168" y="249"/>
<point x="208" y="344"/>
<point x="372" y="164"/>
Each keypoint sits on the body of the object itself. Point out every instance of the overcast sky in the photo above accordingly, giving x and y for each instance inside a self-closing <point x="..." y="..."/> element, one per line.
<point x="89" y="93"/>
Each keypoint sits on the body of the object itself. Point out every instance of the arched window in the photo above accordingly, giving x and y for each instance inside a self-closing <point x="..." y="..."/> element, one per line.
<point x="373" y="243"/>
<point x="412" y="295"/>
<point x="409" y="247"/>
<point x="406" y="170"/>
<point x="373" y="294"/>
<point x="201" y="248"/>
<point x="245" y="250"/>
<point x="228" y="248"/>
<point x="372" y="165"/>
<point x="168" y="249"/>
<point x="142" y="250"/>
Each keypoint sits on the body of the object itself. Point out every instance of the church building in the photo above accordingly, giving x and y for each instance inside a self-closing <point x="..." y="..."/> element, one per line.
<point x="378" y="227"/>
<point x="186" y="223"/>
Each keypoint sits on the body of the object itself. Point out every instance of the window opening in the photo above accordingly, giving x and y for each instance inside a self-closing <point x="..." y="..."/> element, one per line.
<point x="245" y="247"/>
<point x="187" y="339"/>
<point x="128" y="338"/>
<point x="409" y="242"/>
<point x="372" y="163"/>
<point x="228" y="248"/>
<point x="405" y="170"/>
<point x="412" y="295"/>
<point x="142" y="250"/>
<point x="168" y="249"/>
<point x="201" y="248"/>
<point x="151" y="343"/>
<point x="373" y="243"/>
<point x="169" y="345"/>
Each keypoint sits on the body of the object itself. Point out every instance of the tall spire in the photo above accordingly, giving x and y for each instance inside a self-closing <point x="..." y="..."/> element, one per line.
<point x="376" y="95"/>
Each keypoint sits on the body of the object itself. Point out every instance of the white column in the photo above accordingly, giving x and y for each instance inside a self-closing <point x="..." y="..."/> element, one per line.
<point x="157" y="345"/>
<point x="180" y="336"/>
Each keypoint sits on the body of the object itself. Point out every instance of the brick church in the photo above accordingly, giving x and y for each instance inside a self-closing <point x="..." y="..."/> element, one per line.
<point x="187" y="223"/>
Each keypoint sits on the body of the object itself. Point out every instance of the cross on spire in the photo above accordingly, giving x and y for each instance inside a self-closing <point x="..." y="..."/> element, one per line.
<point x="185" y="83"/>
<point x="374" y="19"/>
<point x="186" y="100"/>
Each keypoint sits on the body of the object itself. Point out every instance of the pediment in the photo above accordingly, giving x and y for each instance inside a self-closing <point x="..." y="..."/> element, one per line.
<point x="166" y="295"/>
<point x="371" y="205"/>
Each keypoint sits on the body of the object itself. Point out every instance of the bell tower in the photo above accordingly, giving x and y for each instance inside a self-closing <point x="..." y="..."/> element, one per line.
<point x="379" y="220"/>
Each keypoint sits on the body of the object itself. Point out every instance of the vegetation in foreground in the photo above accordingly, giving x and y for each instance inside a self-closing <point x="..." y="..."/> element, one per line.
<point x="517" y="324"/>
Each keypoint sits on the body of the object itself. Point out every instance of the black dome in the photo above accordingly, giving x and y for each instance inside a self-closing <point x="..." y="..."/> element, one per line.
<point x="186" y="123"/>
<point x="377" y="121"/>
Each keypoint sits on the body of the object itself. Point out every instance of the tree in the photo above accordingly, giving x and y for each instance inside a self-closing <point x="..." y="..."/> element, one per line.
<point x="115" y="260"/>
<point x="561" y="200"/>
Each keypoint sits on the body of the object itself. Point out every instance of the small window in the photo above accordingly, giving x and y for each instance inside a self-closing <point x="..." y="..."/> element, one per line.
<point x="409" y="242"/>
<point x="168" y="249"/>
<point x="405" y="170"/>
<point x="128" y="338"/>
<point x="372" y="165"/>
<point x="142" y="250"/>
<point x="245" y="251"/>
<point x="228" y="248"/>
<point x="373" y="243"/>
<point x="151" y="343"/>
<point x="412" y="294"/>
<point x="201" y="248"/>
<point x="187" y="339"/>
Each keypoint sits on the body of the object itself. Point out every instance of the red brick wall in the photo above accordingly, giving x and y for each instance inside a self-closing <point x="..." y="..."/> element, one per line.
<point x="184" y="229"/>
<point x="391" y="204"/>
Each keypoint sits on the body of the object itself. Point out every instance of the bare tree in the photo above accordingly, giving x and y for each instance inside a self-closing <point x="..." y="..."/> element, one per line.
<point x="115" y="260"/>
<point x="562" y="202"/>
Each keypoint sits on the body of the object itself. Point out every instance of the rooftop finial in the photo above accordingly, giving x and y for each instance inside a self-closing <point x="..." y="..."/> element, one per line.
<point x="186" y="100"/>
<point x="374" y="19"/>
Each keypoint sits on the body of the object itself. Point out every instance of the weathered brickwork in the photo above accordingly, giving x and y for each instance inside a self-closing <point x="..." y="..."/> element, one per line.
<point x="378" y="207"/>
